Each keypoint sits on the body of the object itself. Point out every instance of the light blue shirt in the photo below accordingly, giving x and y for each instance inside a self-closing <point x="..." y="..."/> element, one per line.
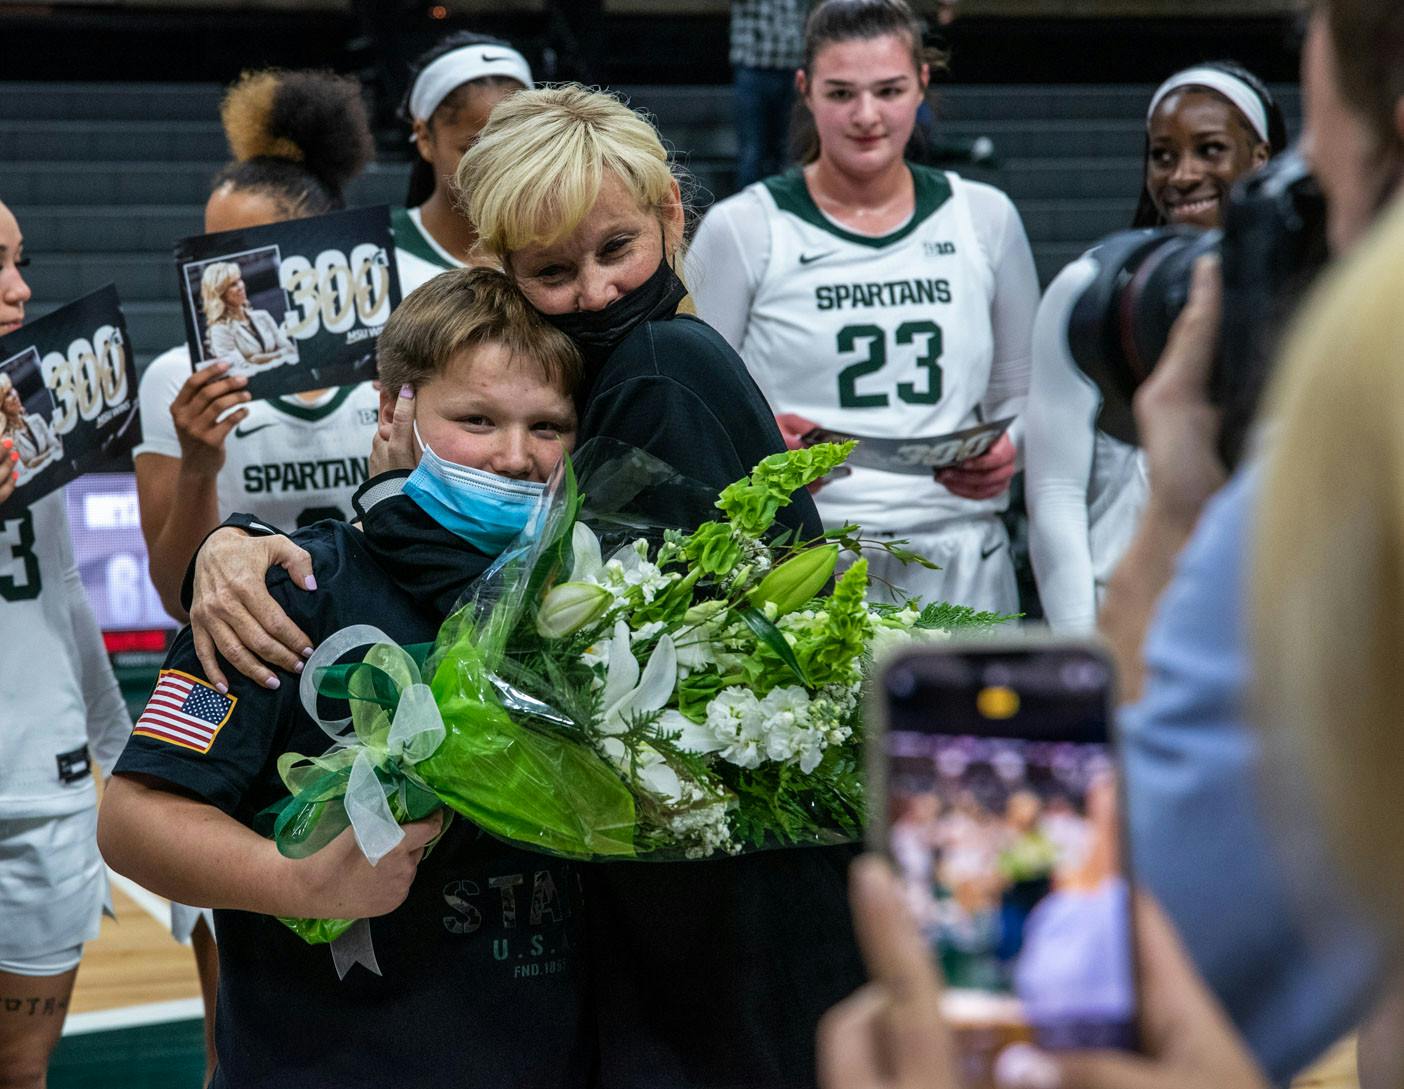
<point x="1294" y="977"/>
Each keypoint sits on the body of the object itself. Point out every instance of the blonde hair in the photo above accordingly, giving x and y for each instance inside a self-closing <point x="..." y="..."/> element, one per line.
<point x="1328" y="582"/>
<point x="214" y="282"/>
<point x="539" y="163"/>
<point x="459" y="310"/>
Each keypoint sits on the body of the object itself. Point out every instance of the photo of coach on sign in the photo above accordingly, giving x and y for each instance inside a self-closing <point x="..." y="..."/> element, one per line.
<point x="67" y="395"/>
<point x="26" y="415"/>
<point x="240" y="307"/>
<point x="294" y="306"/>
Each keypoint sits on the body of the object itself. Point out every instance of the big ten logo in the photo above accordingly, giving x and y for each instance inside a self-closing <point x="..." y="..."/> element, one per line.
<point x="507" y="905"/>
<point x="939" y="249"/>
<point x="90" y="377"/>
<point x="334" y="292"/>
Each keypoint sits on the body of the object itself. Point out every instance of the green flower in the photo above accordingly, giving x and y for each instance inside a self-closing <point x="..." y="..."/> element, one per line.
<point x="831" y="653"/>
<point x="751" y="504"/>
<point x="796" y="580"/>
<point x="714" y="548"/>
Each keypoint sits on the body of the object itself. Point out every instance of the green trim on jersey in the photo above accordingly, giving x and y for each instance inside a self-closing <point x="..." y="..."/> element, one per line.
<point x="791" y="194"/>
<point x="300" y="411"/>
<point x="409" y="238"/>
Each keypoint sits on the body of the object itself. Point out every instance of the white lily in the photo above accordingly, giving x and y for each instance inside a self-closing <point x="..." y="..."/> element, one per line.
<point x="585" y="553"/>
<point x="692" y="737"/>
<point x="629" y="692"/>
<point x="648" y="765"/>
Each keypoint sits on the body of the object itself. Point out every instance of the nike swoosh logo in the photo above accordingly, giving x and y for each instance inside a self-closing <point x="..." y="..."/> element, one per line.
<point x="810" y="258"/>
<point x="245" y="432"/>
<point x="984" y="555"/>
<point x="493" y="60"/>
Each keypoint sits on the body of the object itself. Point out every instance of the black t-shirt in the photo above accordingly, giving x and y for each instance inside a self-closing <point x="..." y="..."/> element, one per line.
<point x="483" y="965"/>
<point x="677" y="390"/>
<point x="712" y="974"/>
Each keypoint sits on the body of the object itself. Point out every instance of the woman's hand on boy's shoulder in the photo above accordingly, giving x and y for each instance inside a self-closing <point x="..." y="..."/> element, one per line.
<point x="233" y="615"/>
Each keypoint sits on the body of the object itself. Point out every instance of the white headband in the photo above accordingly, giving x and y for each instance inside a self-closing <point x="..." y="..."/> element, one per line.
<point x="1248" y="101"/>
<point x="452" y="70"/>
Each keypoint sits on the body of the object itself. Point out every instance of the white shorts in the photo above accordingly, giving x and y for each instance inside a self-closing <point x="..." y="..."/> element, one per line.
<point x="183" y="920"/>
<point x="53" y="888"/>
<point x="976" y="568"/>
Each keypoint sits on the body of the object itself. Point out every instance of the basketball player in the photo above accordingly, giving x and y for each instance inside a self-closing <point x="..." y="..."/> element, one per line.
<point x="881" y="298"/>
<point x="60" y="709"/>
<point x="1206" y="128"/>
<point x="456" y="84"/>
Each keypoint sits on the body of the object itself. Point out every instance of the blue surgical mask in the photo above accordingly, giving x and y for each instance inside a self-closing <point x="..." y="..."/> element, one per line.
<point x="486" y="510"/>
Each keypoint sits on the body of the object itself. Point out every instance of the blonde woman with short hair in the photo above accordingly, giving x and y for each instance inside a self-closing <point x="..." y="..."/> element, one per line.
<point x="234" y="331"/>
<point x="29" y="434"/>
<point x="705" y="975"/>
<point x="1328" y="587"/>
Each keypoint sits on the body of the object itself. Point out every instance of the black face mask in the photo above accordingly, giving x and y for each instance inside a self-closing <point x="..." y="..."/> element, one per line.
<point x="598" y="332"/>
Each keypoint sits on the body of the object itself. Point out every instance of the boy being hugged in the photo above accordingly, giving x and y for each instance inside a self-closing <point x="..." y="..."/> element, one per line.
<point x="477" y="943"/>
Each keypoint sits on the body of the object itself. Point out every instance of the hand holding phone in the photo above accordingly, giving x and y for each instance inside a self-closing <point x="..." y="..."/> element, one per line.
<point x="993" y="790"/>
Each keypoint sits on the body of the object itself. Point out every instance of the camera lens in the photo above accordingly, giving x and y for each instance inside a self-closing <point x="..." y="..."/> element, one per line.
<point x="1119" y="326"/>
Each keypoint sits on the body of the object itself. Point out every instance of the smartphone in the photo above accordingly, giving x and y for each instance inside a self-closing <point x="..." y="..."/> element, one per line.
<point x="994" y="791"/>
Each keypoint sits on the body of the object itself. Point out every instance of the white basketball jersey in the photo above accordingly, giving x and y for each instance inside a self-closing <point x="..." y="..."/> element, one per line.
<point x="417" y="256"/>
<point x="1116" y="496"/>
<point x="888" y="337"/>
<point x="288" y="462"/>
<point x="43" y="709"/>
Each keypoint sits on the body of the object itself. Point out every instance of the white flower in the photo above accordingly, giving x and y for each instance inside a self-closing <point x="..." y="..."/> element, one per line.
<point x="704" y="829"/>
<point x="648" y="767"/>
<point x="569" y="606"/>
<point x="736" y="721"/>
<point x="629" y="693"/>
<point x="786" y="712"/>
<point x="811" y="751"/>
<point x="629" y="568"/>
<point x="585" y="553"/>
<point x="692" y="737"/>
<point x="647" y="632"/>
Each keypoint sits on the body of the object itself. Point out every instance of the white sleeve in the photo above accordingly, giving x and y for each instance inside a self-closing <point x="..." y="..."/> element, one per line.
<point x="160" y="384"/>
<point x="109" y="724"/>
<point x="1012" y="308"/>
<point x="1062" y="419"/>
<point x="726" y="262"/>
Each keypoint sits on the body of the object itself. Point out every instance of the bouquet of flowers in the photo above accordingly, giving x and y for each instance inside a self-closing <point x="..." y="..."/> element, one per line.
<point x="686" y="694"/>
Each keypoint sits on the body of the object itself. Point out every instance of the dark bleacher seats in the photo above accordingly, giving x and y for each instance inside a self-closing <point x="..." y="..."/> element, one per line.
<point x="104" y="177"/>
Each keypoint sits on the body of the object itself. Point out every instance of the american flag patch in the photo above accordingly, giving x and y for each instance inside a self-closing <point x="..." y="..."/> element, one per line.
<point x="185" y="711"/>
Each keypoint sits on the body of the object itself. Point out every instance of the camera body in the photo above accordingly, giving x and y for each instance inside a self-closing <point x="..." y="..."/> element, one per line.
<point x="1271" y="247"/>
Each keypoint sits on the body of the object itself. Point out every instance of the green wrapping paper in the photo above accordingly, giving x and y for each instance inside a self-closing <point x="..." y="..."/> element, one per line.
<point x="682" y="696"/>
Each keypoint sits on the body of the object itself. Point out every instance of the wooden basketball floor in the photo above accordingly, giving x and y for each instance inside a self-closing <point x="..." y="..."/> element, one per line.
<point x="135" y="1021"/>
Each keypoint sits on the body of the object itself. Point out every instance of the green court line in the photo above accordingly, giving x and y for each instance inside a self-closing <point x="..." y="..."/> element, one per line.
<point x="163" y="1056"/>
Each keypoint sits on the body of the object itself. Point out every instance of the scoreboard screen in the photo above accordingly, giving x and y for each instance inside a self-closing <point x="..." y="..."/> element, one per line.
<point x="111" y="554"/>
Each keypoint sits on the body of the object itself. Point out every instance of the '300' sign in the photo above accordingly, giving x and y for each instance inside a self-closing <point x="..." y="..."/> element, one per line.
<point x="334" y="292"/>
<point x="90" y="377"/>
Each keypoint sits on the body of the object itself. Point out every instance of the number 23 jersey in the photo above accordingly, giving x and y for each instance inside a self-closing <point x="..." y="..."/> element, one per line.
<point x="288" y="462"/>
<point x="919" y="332"/>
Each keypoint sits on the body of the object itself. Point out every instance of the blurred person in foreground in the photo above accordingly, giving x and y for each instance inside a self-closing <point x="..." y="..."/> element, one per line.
<point x="1202" y="839"/>
<point x="1327" y="696"/>
<point x="1295" y="963"/>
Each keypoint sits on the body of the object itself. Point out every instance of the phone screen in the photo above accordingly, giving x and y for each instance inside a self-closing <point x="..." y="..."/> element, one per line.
<point x="1002" y="818"/>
